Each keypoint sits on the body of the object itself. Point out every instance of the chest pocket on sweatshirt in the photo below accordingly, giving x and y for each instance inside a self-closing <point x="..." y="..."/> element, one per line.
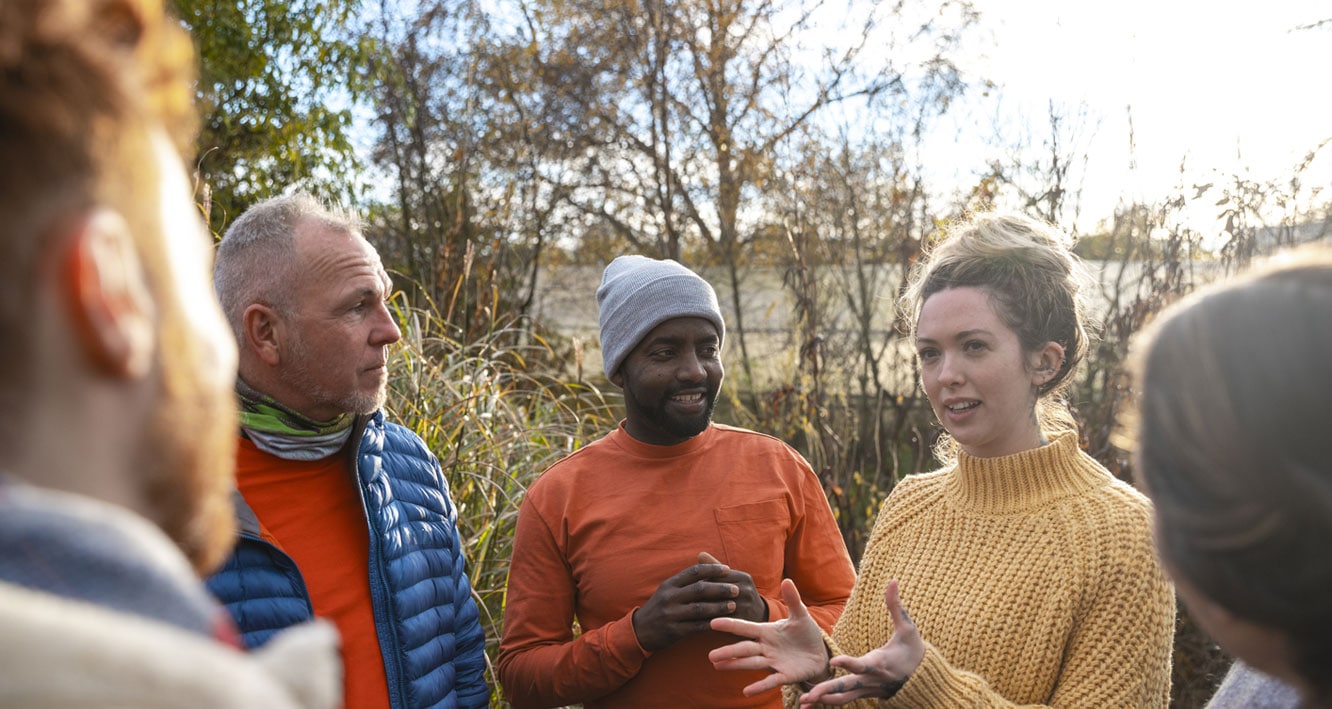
<point x="754" y="539"/>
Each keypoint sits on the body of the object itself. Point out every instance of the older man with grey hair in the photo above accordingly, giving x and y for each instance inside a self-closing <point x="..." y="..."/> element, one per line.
<point x="342" y="514"/>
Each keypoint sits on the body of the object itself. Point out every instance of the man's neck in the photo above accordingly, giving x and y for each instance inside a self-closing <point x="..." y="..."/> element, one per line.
<point x="86" y="448"/>
<point x="285" y="433"/>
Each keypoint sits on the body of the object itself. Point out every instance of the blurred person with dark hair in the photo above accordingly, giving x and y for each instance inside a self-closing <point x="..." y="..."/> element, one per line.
<point x="116" y="456"/>
<point x="1027" y="567"/>
<point x="342" y="513"/>
<point x="1231" y="444"/>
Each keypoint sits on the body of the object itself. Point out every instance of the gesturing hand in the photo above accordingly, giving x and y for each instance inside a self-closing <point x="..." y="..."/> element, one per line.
<point x="684" y="603"/>
<point x="882" y="671"/>
<point x="791" y="650"/>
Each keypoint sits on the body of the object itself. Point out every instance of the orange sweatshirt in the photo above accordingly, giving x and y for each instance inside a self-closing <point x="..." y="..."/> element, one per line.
<point x="313" y="511"/>
<point x="601" y="529"/>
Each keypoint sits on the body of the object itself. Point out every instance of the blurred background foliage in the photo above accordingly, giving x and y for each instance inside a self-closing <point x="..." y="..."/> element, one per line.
<point x="501" y="153"/>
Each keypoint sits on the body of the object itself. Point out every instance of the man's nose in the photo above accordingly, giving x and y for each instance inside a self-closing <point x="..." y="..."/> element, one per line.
<point x="386" y="330"/>
<point x="691" y="368"/>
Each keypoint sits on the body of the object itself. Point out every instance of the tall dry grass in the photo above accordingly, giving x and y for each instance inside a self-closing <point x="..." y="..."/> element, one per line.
<point x="495" y="422"/>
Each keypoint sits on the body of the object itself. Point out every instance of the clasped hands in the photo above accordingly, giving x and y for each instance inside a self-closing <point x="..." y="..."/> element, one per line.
<point x="792" y="652"/>
<point x="685" y="603"/>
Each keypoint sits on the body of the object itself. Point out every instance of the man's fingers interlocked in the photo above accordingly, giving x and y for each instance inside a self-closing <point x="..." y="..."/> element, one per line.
<point x="684" y="604"/>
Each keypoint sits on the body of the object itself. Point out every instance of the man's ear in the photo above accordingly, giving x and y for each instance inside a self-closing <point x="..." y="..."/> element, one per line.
<point x="1046" y="362"/>
<point x="107" y="292"/>
<point x="262" y="330"/>
<point x="617" y="377"/>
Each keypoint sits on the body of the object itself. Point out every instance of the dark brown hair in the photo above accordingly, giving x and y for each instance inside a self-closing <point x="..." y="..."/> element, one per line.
<point x="1233" y="446"/>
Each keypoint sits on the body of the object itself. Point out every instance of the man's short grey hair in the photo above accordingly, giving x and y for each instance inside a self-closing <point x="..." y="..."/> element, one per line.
<point x="254" y="260"/>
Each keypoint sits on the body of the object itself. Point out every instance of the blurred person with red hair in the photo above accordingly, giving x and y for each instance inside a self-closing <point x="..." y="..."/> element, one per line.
<point x="116" y="456"/>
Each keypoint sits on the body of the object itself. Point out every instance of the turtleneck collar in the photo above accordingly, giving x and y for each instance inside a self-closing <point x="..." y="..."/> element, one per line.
<point x="621" y="438"/>
<point x="1023" y="481"/>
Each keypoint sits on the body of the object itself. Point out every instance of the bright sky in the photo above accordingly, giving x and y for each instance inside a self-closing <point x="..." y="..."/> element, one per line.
<point x="1223" y="85"/>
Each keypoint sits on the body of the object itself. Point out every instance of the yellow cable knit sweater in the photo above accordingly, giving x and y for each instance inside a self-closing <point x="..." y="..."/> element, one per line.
<point x="1032" y="579"/>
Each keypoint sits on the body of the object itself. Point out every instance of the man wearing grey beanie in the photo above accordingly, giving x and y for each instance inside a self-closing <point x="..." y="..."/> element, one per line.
<point x="671" y="520"/>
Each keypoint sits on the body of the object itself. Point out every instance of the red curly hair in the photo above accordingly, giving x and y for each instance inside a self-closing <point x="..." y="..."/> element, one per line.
<point x="83" y="83"/>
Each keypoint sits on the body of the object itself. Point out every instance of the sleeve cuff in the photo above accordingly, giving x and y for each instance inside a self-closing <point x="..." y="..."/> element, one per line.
<point x="622" y="639"/>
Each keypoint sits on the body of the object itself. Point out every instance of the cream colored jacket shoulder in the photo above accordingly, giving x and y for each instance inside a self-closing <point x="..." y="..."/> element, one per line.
<point x="62" y="653"/>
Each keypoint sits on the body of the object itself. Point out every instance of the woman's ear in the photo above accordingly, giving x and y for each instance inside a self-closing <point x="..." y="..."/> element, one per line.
<point x="110" y="306"/>
<point x="1045" y="363"/>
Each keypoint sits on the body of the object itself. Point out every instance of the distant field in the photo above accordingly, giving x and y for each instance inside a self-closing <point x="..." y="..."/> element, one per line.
<point x="566" y="303"/>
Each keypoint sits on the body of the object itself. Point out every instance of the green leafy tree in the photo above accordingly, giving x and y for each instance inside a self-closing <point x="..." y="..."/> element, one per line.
<point x="278" y="80"/>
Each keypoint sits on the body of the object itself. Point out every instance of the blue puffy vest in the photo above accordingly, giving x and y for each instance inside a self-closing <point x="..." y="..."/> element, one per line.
<point x="428" y="625"/>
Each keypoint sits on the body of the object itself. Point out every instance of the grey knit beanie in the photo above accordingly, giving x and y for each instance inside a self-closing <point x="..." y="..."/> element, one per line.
<point x="638" y="293"/>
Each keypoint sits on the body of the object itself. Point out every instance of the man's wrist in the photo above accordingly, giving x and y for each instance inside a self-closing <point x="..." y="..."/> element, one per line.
<point x="637" y="634"/>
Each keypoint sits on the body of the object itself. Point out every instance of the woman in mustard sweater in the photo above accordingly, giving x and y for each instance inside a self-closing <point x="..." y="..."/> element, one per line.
<point x="1027" y="567"/>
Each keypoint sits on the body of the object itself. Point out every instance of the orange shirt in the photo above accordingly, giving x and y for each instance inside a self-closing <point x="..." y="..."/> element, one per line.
<point x="312" y="510"/>
<point x="601" y="529"/>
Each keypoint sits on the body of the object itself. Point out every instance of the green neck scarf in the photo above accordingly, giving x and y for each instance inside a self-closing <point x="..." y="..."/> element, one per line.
<point x="279" y="431"/>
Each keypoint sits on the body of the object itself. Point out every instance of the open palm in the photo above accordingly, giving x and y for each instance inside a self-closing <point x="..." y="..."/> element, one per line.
<point x="791" y="650"/>
<point x="879" y="673"/>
